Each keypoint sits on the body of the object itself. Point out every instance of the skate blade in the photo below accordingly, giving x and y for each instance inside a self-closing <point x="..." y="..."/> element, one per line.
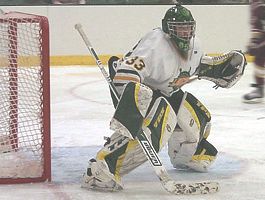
<point x="254" y="101"/>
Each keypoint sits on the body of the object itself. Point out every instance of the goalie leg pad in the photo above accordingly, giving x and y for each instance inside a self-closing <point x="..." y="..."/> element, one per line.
<point x="180" y="150"/>
<point x="193" y="118"/>
<point x="131" y="109"/>
<point x="118" y="157"/>
<point x="183" y="154"/>
<point x="160" y="123"/>
<point x="98" y="177"/>
<point x="122" y="154"/>
<point x="204" y="156"/>
<point x="193" y="126"/>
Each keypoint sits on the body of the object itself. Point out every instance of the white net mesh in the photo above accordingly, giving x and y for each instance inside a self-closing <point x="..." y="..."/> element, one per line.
<point x="21" y="96"/>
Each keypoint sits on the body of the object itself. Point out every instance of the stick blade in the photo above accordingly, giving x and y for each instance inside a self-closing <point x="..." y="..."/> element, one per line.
<point x="191" y="188"/>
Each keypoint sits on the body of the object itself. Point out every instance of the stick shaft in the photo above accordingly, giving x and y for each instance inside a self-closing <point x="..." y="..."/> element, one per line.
<point x="95" y="56"/>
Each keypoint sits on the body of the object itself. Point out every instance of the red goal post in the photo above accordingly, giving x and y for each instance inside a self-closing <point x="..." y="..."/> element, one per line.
<point x="25" y="149"/>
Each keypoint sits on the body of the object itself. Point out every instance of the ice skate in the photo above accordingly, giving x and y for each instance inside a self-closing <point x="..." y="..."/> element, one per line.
<point x="98" y="177"/>
<point x="255" y="96"/>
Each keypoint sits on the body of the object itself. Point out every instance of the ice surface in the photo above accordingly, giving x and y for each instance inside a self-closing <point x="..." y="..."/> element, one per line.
<point x="81" y="111"/>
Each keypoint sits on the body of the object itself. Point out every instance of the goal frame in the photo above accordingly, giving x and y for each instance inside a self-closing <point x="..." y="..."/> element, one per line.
<point x="45" y="65"/>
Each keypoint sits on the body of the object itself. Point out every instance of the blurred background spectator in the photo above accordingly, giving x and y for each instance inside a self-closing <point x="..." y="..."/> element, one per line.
<point x="69" y="1"/>
<point x="195" y="2"/>
<point x="24" y="2"/>
<point x="117" y="2"/>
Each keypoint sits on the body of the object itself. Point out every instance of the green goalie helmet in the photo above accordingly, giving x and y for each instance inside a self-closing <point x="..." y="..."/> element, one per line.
<point x="180" y="25"/>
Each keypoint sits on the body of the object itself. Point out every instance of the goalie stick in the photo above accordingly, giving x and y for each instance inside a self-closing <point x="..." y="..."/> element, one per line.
<point x="168" y="184"/>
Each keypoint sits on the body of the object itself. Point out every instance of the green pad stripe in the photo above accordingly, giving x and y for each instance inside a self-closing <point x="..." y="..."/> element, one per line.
<point x="112" y="158"/>
<point x="127" y="112"/>
<point x="156" y="124"/>
<point x="200" y="110"/>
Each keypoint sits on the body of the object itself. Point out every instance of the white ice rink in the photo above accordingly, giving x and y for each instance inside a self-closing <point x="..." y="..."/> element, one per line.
<point x="81" y="109"/>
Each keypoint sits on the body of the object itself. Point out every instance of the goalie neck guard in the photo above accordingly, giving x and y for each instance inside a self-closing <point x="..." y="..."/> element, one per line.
<point x="180" y="25"/>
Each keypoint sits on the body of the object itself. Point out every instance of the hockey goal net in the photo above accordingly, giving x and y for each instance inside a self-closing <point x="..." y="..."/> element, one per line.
<point x="24" y="98"/>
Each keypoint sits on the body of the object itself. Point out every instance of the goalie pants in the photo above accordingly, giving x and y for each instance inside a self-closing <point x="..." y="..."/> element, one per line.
<point x="122" y="154"/>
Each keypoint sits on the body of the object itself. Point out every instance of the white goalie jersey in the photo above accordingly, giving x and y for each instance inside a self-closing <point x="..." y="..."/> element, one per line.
<point x="159" y="67"/>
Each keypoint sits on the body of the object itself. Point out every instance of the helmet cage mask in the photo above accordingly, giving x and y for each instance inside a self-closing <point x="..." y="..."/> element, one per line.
<point x="182" y="30"/>
<point x="182" y="33"/>
<point x="180" y="25"/>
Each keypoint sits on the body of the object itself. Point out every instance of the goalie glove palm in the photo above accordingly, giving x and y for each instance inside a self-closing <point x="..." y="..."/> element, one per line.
<point x="224" y="70"/>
